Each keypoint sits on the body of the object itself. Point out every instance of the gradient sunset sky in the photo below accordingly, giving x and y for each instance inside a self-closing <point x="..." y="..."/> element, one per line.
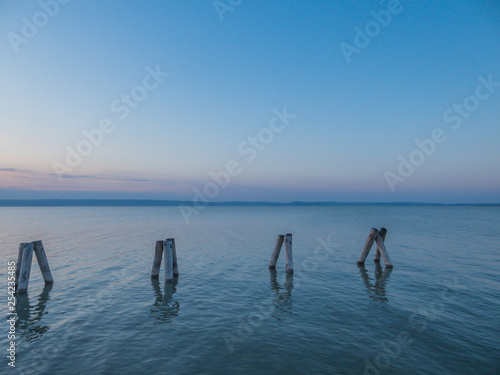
<point x="357" y="115"/>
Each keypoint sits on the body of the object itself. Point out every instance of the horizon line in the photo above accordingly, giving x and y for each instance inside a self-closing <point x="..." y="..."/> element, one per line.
<point x="160" y="202"/>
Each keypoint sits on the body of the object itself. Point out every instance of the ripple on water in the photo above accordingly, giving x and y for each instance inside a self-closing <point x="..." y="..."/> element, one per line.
<point x="227" y="313"/>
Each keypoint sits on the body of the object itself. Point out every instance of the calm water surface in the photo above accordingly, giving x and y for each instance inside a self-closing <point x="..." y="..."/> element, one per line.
<point x="436" y="312"/>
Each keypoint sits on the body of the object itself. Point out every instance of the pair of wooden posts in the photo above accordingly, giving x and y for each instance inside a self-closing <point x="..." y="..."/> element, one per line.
<point x="171" y="269"/>
<point x="288" y="249"/>
<point x="23" y="265"/>
<point x="379" y="237"/>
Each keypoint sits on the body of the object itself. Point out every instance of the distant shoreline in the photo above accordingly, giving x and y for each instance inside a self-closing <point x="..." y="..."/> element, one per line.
<point x="170" y="203"/>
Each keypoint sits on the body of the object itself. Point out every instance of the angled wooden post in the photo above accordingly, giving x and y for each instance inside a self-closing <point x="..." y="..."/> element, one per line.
<point x="19" y="261"/>
<point x="174" y="258"/>
<point x="25" y="269"/>
<point x="368" y="245"/>
<point x="276" y="251"/>
<point x="155" y="272"/>
<point x="169" y="261"/>
<point x="43" y="262"/>
<point x="383" y="251"/>
<point x="383" y="233"/>
<point x="289" y="256"/>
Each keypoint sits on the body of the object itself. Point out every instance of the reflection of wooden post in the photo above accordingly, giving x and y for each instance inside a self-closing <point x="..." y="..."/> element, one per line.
<point x="276" y="251"/>
<point x="155" y="273"/>
<point x="43" y="262"/>
<point x="289" y="256"/>
<point x="24" y="272"/>
<point x="169" y="261"/>
<point x="289" y="283"/>
<point x="274" y="280"/>
<point x="383" y="251"/>
<point x="174" y="258"/>
<point x="383" y="278"/>
<point x="170" y="291"/>
<point x="383" y="233"/>
<point x="368" y="245"/>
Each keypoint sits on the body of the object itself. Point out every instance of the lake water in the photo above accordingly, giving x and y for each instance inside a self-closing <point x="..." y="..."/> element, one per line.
<point x="436" y="312"/>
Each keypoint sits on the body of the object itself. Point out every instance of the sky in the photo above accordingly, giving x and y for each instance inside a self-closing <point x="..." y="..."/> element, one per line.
<point x="366" y="101"/>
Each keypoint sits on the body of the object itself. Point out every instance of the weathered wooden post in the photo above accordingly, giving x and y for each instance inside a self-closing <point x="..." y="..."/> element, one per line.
<point x="383" y="251"/>
<point x="368" y="245"/>
<point x="383" y="233"/>
<point x="155" y="273"/>
<point x="19" y="261"/>
<point x="25" y="268"/>
<point x="379" y="237"/>
<point x="276" y="251"/>
<point x="174" y="258"/>
<point x="171" y="268"/>
<point x="43" y="262"/>
<point x="289" y="256"/>
<point x="169" y="261"/>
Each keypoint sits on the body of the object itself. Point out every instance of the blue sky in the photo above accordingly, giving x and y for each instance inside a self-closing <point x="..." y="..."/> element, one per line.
<point x="354" y="120"/>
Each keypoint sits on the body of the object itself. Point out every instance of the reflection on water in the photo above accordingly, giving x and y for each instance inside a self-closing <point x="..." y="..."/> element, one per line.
<point x="164" y="309"/>
<point x="283" y="300"/>
<point x="30" y="316"/>
<point x="376" y="290"/>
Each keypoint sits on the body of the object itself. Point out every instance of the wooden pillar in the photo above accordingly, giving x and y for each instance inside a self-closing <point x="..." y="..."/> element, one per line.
<point x="169" y="261"/>
<point x="174" y="258"/>
<point x="276" y="251"/>
<point x="43" y="262"/>
<point x="383" y="233"/>
<point x="383" y="251"/>
<point x="368" y="245"/>
<point x="19" y="261"/>
<point x="289" y="256"/>
<point x="25" y="269"/>
<point x="155" y="273"/>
